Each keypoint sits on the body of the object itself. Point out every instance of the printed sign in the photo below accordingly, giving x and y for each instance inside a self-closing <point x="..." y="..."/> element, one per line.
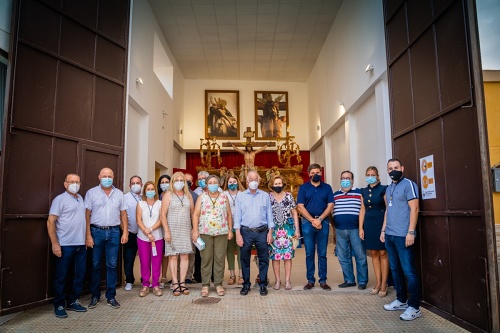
<point x="427" y="180"/>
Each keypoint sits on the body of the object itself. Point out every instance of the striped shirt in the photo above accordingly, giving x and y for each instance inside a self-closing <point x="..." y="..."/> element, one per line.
<point x="346" y="208"/>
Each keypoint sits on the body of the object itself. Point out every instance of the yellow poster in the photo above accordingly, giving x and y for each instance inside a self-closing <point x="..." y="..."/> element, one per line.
<point x="427" y="180"/>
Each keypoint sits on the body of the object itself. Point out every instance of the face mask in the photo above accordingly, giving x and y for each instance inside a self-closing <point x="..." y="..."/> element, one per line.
<point x="136" y="188"/>
<point x="277" y="189"/>
<point x="202" y="183"/>
<point x="396" y="174"/>
<point x="345" y="183"/>
<point x="213" y="187"/>
<point x="253" y="185"/>
<point x="74" y="188"/>
<point x="179" y="185"/>
<point x="164" y="187"/>
<point x="232" y="187"/>
<point x="316" y="178"/>
<point x="371" y="179"/>
<point x="190" y="183"/>
<point x="150" y="194"/>
<point x="106" y="182"/>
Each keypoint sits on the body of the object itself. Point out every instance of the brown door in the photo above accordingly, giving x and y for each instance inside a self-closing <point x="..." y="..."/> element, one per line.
<point x="434" y="95"/>
<point x="65" y="113"/>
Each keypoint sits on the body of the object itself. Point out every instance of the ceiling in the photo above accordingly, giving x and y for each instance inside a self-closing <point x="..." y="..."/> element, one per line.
<point x="264" y="40"/>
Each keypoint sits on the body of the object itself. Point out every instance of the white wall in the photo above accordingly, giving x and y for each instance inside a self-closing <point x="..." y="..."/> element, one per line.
<point x="194" y="107"/>
<point x="152" y="99"/>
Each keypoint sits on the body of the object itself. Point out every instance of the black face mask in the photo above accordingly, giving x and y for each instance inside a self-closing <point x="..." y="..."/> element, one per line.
<point x="316" y="178"/>
<point x="396" y="175"/>
<point x="277" y="189"/>
<point x="190" y="183"/>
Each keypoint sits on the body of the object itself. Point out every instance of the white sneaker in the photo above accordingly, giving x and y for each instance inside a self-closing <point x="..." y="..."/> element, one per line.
<point x="410" y="314"/>
<point x="129" y="286"/>
<point x="395" y="305"/>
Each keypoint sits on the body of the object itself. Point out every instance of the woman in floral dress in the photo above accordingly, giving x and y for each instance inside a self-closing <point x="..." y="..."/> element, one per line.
<point x="286" y="227"/>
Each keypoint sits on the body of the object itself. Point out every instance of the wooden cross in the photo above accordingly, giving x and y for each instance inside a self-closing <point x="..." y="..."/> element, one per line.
<point x="248" y="135"/>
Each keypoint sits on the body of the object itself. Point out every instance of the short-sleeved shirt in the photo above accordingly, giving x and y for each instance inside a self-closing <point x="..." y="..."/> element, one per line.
<point x="346" y="208"/>
<point x="105" y="209"/>
<point x="253" y="210"/>
<point x="398" y="211"/>
<point x="70" y="223"/>
<point x="315" y="198"/>
<point x="131" y="201"/>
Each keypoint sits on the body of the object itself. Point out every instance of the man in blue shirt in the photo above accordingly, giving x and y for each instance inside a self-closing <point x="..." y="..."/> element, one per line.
<point x="398" y="233"/>
<point x="253" y="222"/>
<point x="66" y="228"/>
<point x="315" y="203"/>
<point x="348" y="204"/>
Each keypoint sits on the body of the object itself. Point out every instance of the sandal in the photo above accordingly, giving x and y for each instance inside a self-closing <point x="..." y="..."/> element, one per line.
<point x="232" y="280"/>
<point x="204" y="292"/>
<point x="184" y="289"/>
<point x="144" y="291"/>
<point x="288" y="285"/>
<point x="220" y="290"/>
<point x="240" y="280"/>
<point x="163" y="282"/>
<point x="176" y="291"/>
<point x="157" y="291"/>
<point x="277" y="285"/>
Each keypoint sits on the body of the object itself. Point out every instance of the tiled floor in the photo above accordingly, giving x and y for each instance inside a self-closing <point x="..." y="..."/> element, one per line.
<point x="338" y="310"/>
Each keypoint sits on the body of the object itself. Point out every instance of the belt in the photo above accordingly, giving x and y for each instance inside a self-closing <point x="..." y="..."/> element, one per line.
<point x="103" y="228"/>
<point x="259" y="229"/>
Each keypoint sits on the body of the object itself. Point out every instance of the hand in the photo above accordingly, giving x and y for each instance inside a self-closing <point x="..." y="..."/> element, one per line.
<point x="297" y="233"/>
<point x="151" y="237"/>
<point x="194" y="235"/>
<point x="56" y="249"/>
<point x="124" y="238"/>
<point x="410" y="240"/>
<point x="168" y="237"/>
<point x="230" y="235"/>
<point x="317" y="224"/>
<point x="270" y="237"/>
<point x="89" y="242"/>
<point x="382" y="236"/>
<point x="239" y="240"/>
<point x="362" y="234"/>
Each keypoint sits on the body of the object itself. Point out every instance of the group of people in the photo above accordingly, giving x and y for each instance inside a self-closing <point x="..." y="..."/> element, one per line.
<point x="162" y="222"/>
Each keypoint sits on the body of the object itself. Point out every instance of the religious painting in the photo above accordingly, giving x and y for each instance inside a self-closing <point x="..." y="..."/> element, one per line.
<point x="271" y="114"/>
<point x="222" y="114"/>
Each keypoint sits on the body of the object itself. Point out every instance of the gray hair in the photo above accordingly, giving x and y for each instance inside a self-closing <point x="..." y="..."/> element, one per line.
<point x="255" y="172"/>
<point x="213" y="176"/>
<point x="203" y="173"/>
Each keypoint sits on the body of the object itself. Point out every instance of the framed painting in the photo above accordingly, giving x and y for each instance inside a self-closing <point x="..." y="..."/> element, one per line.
<point x="271" y="114"/>
<point x="222" y="114"/>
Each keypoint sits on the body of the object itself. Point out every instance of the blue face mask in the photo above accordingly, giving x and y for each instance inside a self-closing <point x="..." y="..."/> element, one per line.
<point x="213" y="187"/>
<point x="232" y="187"/>
<point x="371" y="179"/>
<point x="202" y="183"/>
<point x="345" y="183"/>
<point x="150" y="194"/>
<point x="106" y="182"/>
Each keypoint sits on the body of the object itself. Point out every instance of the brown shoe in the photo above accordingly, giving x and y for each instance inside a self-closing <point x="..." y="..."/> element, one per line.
<point x="144" y="291"/>
<point x="220" y="290"/>
<point x="157" y="291"/>
<point x="309" y="286"/>
<point x="232" y="280"/>
<point x="325" y="286"/>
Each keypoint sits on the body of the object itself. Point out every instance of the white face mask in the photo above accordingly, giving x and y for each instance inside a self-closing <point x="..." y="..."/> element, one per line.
<point x="74" y="188"/>
<point x="253" y="185"/>
<point x="136" y="188"/>
<point x="164" y="187"/>
<point x="179" y="185"/>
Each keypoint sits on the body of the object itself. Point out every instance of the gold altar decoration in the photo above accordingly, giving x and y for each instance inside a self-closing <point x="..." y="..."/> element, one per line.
<point x="288" y="149"/>
<point x="209" y="148"/>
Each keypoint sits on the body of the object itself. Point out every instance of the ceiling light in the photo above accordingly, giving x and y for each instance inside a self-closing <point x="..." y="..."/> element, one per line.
<point x="139" y="80"/>
<point x="369" y="68"/>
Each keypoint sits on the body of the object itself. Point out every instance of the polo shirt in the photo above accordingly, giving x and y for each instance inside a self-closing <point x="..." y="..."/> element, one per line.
<point x="315" y="198"/>
<point x="105" y="209"/>
<point x="398" y="211"/>
<point x="346" y="208"/>
<point x="70" y="223"/>
<point x="131" y="201"/>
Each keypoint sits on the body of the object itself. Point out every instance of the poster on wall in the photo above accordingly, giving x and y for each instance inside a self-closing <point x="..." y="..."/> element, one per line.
<point x="427" y="181"/>
<point x="222" y="114"/>
<point x="271" y="114"/>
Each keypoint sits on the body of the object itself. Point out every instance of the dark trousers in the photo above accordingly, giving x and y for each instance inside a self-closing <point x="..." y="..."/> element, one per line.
<point x="197" y="266"/>
<point x="73" y="261"/>
<point x="129" y="254"/>
<point x="259" y="239"/>
<point x="106" y="243"/>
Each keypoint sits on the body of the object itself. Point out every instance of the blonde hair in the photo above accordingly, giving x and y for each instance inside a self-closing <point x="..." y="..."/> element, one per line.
<point x="173" y="180"/>
<point x="273" y="178"/>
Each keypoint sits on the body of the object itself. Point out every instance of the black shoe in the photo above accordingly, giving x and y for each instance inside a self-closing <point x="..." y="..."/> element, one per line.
<point x="324" y="286"/>
<point x="93" y="302"/>
<point x="362" y="287"/>
<point x="60" y="312"/>
<point x="309" y="286"/>
<point x="263" y="291"/>
<point x="244" y="291"/>
<point x="347" y="284"/>
<point x="189" y="281"/>
<point x="76" y="306"/>
<point x="114" y="303"/>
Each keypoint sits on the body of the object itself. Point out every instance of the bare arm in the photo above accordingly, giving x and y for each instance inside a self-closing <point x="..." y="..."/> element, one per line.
<point x="196" y="219"/>
<point x="295" y="217"/>
<point x="165" y="203"/>
<point x="382" y="232"/>
<point x="51" y="229"/>
<point x="362" y="212"/>
<point x="237" y="149"/>
<point x="414" y="205"/>
<point x="124" y="226"/>
<point x="89" y="242"/>
<point x="229" y="221"/>
<point x="262" y="148"/>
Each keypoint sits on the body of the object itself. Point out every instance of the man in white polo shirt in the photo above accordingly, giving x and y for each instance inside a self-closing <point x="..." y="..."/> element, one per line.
<point x="66" y="228"/>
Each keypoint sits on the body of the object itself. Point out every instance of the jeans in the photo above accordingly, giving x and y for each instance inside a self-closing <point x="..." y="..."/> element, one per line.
<point x="349" y="244"/>
<point x="129" y="253"/>
<point x="402" y="263"/>
<point x="75" y="256"/>
<point x="260" y="241"/>
<point x="316" y="240"/>
<point x="105" y="242"/>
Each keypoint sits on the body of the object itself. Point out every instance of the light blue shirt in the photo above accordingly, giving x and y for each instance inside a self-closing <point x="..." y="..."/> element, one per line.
<point x="398" y="211"/>
<point x="105" y="209"/>
<point x="70" y="223"/>
<point x="253" y="210"/>
<point x="131" y="201"/>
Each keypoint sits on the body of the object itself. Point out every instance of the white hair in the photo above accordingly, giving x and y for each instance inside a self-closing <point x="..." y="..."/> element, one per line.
<point x="255" y="172"/>
<point x="203" y="173"/>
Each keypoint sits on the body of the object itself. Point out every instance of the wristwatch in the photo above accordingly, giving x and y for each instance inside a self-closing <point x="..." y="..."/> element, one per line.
<point x="411" y="232"/>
